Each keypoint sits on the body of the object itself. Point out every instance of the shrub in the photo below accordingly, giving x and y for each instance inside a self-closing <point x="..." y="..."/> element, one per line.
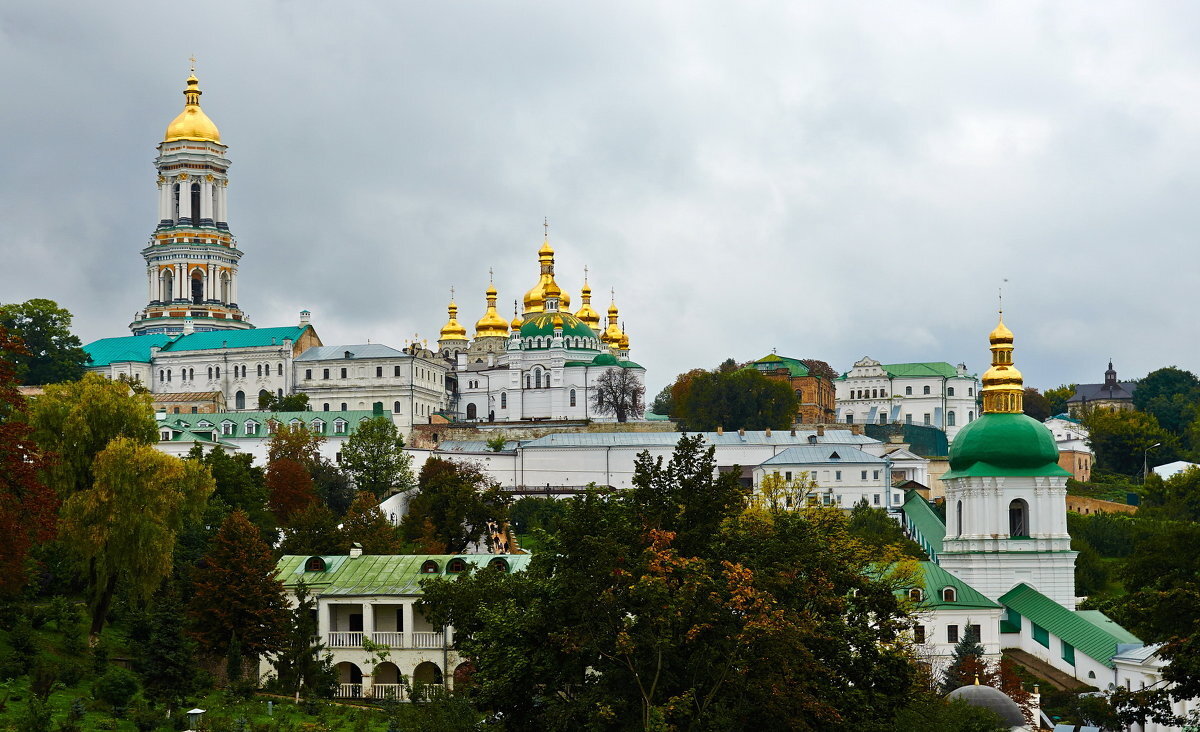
<point x="37" y="716"/>
<point x="116" y="687"/>
<point x="43" y="677"/>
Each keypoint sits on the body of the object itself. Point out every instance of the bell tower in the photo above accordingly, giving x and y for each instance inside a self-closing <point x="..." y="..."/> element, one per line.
<point x="192" y="258"/>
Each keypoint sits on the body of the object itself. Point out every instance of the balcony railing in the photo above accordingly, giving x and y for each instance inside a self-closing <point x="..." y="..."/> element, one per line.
<point x="388" y="638"/>
<point x="426" y="640"/>
<point x="348" y="691"/>
<point x="419" y="639"/>
<point x="388" y="691"/>
<point x="342" y="639"/>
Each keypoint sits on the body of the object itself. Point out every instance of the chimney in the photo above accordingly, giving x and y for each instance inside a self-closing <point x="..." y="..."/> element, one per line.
<point x="820" y="430"/>
<point x="768" y="432"/>
<point x="741" y="431"/>
<point x="793" y="433"/>
<point x="355" y="550"/>
<point x="305" y="317"/>
<point x="720" y="430"/>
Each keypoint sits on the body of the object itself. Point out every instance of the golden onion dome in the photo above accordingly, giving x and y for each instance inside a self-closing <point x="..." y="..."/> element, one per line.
<point x="192" y="123"/>
<point x="1003" y="386"/>
<point x="586" y="313"/>
<point x="1001" y="334"/>
<point x="453" y="330"/>
<point x="623" y="344"/>
<point x="491" y="324"/>
<point x="612" y="334"/>
<point x="516" y="324"/>
<point x="535" y="299"/>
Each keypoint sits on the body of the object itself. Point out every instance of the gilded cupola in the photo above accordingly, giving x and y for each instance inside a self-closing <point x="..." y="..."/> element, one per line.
<point x="492" y="323"/>
<point x="586" y="313"/>
<point x="612" y="334"/>
<point x="1003" y="386"/>
<point x="453" y="330"/>
<point x="192" y="123"/>
<point x="535" y="299"/>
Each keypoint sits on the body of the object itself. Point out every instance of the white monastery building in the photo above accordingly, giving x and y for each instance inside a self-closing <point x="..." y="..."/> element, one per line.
<point x="934" y="394"/>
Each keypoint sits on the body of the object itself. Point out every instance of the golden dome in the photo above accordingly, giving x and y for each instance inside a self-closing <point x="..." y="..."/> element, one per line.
<point x="612" y="334"/>
<point x="491" y="324"/>
<point x="624" y="342"/>
<point x="453" y="330"/>
<point x="535" y="299"/>
<point x="192" y="123"/>
<point x="588" y="315"/>
<point x="1003" y="386"/>
<point x="516" y="324"/>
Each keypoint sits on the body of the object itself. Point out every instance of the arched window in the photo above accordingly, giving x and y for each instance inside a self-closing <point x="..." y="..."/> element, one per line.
<point x="343" y="406"/>
<point x="874" y="393"/>
<point x="916" y="595"/>
<point x="263" y="396"/>
<point x="395" y="407"/>
<point x="500" y="562"/>
<point x="225" y="287"/>
<point x="528" y="382"/>
<point x="1018" y="518"/>
<point x="970" y="391"/>
<point x="279" y="370"/>
<point x="926" y="390"/>
<point x="218" y="370"/>
<point x="958" y="516"/>
<point x="456" y="566"/>
<point x="258" y="368"/>
<point x="537" y="379"/>
<point x="429" y="567"/>
<point x="167" y="281"/>
<point x="572" y="397"/>
<point x="377" y="407"/>
<point x="472" y="411"/>
<point x="970" y="416"/>
<point x="175" y="202"/>
<point x="949" y="594"/>
<point x="504" y="400"/>
<point x="195" y="204"/>
<point x="239" y="400"/>
<point x="210" y="372"/>
<point x="197" y="287"/>
<point x="950" y="419"/>
<point x="314" y="564"/>
<point x="908" y="391"/>
<point x="949" y="391"/>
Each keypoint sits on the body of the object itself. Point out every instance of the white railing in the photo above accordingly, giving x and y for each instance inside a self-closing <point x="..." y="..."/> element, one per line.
<point x="349" y="691"/>
<point x="387" y="691"/>
<point x="427" y="640"/>
<point x="342" y="639"/>
<point x="389" y="638"/>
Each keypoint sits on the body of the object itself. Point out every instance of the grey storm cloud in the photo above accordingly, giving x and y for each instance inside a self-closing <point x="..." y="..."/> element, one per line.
<point x="830" y="180"/>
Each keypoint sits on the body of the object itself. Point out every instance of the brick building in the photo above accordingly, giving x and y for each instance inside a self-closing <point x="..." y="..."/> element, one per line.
<point x="816" y="392"/>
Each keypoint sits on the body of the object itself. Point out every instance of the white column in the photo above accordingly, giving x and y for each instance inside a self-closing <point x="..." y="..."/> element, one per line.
<point x="223" y="202"/>
<point x="152" y="282"/>
<point x="408" y="624"/>
<point x="368" y="611"/>
<point x="164" y="200"/>
<point x="185" y="199"/>
<point x="322" y="620"/>
<point x="212" y="282"/>
<point x="206" y="199"/>
<point x="178" y="268"/>
<point x="233" y="293"/>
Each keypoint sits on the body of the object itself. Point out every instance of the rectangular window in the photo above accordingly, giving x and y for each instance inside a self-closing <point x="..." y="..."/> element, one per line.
<point x="787" y="475"/>
<point x="849" y="418"/>
<point x="325" y="373"/>
<point x="876" y="499"/>
<point x="195" y="410"/>
<point x="395" y="371"/>
<point x="895" y="498"/>
<point x="908" y="419"/>
<point x="973" y="633"/>
<point x="926" y="418"/>
<point x="864" y="475"/>
<point x="378" y="371"/>
<point x="308" y="373"/>
<point x="1068" y="653"/>
<point x="1040" y="634"/>
<point x="919" y="634"/>
<point x="952" y="633"/>
<point x="837" y="475"/>
<point x="875" y="475"/>
<point x="343" y="373"/>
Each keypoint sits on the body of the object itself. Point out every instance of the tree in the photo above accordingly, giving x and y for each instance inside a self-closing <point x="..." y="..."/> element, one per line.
<point x="269" y="402"/>
<point x="290" y="489"/>
<point x="875" y="528"/>
<point x="52" y="353"/>
<point x="453" y="507"/>
<point x="235" y="592"/>
<point x="1057" y="398"/>
<point x="967" y="666"/>
<point x="302" y="662"/>
<point x="738" y="399"/>
<point x="77" y="420"/>
<point x="312" y="530"/>
<point x="1171" y="395"/>
<point x="817" y="367"/>
<point x="240" y="483"/>
<point x="333" y="487"/>
<point x="1121" y="439"/>
<point x="28" y="506"/>
<point x="165" y="654"/>
<point x="366" y="525"/>
<point x="1036" y="405"/>
<point x="664" y="403"/>
<point x="375" y="459"/>
<point x="618" y="392"/>
<point x="124" y="528"/>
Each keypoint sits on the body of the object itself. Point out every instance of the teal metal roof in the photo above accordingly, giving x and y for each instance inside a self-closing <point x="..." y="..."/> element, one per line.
<point x="606" y="359"/>
<point x="390" y="574"/>
<point x="773" y="361"/>
<point x="935" y="579"/>
<point x="236" y="338"/>
<point x="1089" y="631"/>
<point x="129" y="348"/>
<point x="927" y="526"/>
<point x="929" y="368"/>
<point x="191" y="422"/>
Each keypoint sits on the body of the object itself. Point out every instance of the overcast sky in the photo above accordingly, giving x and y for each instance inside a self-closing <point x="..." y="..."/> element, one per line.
<point x="831" y="180"/>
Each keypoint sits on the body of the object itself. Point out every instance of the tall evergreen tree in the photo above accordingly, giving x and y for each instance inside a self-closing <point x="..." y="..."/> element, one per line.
<point x="966" y="666"/>
<point x="302" y="662"/>
<point x="165" y="655"/>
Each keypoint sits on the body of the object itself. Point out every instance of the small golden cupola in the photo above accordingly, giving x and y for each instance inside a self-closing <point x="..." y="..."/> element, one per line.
<point x="192" y="123"/>
<point x="1003" y="386"/>
<point x="612" y="334"/>
<point x="535" y="299"/>
<point x="624" y="343"/>
<point x="516" y="323"/>
<point x="453" y="330"/>
<point x="586" y="313"/>
<point x="491" y="324"/>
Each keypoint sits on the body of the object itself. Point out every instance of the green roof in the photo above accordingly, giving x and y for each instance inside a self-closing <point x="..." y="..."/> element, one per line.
<point x="930" y="368"/>
<point x="1089" y="631"/>
<point x="935" y="579"/>
<point x="247" y="338"/>
<point x="1009" y="445"/>
<point x="542" y="325"/>
<point x="927" y="525"/>
<point x="772" y="362"/>
<point x="385" y="574"/>
<point x="128" y="348"/>
<point x="190" y="422"/>
<point x="605" y="359"/>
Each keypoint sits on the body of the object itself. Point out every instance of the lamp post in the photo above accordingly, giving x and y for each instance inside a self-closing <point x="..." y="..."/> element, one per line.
<point x="1145" y="453"/>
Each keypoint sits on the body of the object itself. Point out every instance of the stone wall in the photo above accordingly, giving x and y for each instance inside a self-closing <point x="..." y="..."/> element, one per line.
<point x="1088" y="506"/>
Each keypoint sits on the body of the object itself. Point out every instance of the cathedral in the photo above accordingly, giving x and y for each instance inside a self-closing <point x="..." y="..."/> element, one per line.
<point x="544" y="365"/>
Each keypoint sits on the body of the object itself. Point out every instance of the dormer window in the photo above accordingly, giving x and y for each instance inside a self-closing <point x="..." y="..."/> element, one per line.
<point x="916" y="595"/>
<point x="456" y="566"/>
<point x="294" y="423"/>
<point x="500" y="562"/>
<point x="204" y="423"/>
<point x="227" y="427"/>
<point x="251" y="427"/>
<point x="165" y="435"/>
<point x="314" y="564"/>
<point x="318" y="426"/>
<point x="949" y="594"/>
<point x="339" y="426"/>
<point x="429" y="567"/>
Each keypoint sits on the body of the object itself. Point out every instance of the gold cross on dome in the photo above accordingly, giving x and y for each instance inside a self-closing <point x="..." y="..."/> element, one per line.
<point x="192" y="58"/>
<point x="491" y="276"/>
<point x="452" y="293"/>
<point x="546" y="226"/>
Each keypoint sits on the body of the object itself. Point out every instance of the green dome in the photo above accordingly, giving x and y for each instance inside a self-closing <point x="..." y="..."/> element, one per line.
<point x="542" y="325"/>
<point x="1004" y="445"/>
<point x="605" y="359"/>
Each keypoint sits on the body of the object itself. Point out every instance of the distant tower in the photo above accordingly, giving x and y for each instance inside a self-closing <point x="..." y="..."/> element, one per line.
<point x="192" y="259"/>
<point x="1006" y="511"/>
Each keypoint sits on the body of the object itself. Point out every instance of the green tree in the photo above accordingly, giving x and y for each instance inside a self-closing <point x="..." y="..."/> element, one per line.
<point x="738" y="399"/>
<point x="52" y="353"/>
<point x="1121" y="439"/>
<point x="454" y="505"/>
<point x="236" y="594"/>
<point x="164" y="654"/>
<point x="1171" y="395"/>
<point x="312" y="530"/>
<point x="366" y="525"/>
<point x="664" y="403"/>
<point x="966" y="666"/>
<point x="333" y="487"/>
<point x="1091" y="575"/>
<point x="77" y="420"/>
<point x="302" y="662"/>
<point x="1036" y="405"/>
<point x="620" y="393"/>
<point x="240" y="483"/>
<point x="269" y="402"/>
<point x="875" y="528"/>
<point x="123" y="529"/>
<point x="1057" y="398"/>
<point x="375" y="459"/>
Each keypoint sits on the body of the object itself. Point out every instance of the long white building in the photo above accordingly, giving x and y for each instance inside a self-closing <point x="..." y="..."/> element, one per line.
<point x="934" y="394"/>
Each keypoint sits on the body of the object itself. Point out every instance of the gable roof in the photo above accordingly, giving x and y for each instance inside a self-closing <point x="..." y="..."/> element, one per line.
<point x="382" y="574"/>
<point x="249" y="338"/>
<point x="816" y="454"/>
<point x="190" y="421"/>
<point x="935" y="579"/>
<point x="927" y="368"/>
<point x="1089" y="631"/>
<point x="669" y="439"/>
<point x="108" y="351"/>
<point x="774" y="361"/>
<point x="925" y="523"/>
<point x="361" y="350"/>
<point x="1095" y="392"/>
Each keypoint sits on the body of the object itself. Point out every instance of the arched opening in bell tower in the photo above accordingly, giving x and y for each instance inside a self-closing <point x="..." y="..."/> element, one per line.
<point x="175" y="202"/>
<point x="197" y="287"/>
<point x="195" y="204"/>
<point x="225" y="287"/>
<point x="1018" y="518"/>
<point x="166" y="286"/>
